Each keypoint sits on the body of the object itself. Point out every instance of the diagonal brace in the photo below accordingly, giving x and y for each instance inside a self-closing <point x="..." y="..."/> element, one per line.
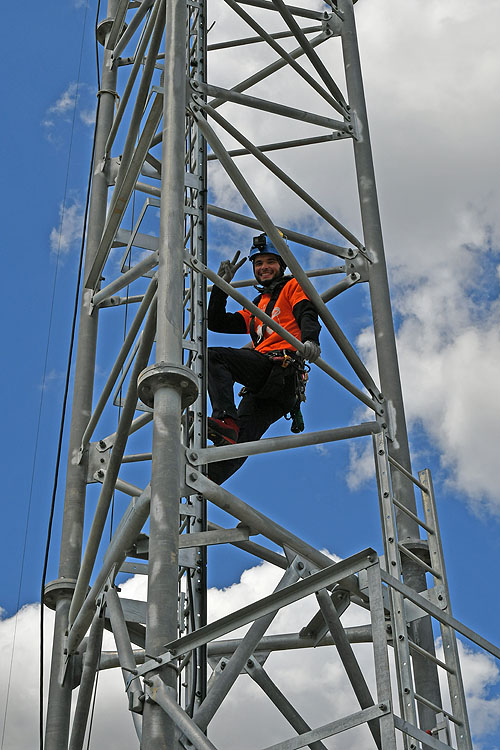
<point x="261" y="677"/>
<point x="348" y="658"/>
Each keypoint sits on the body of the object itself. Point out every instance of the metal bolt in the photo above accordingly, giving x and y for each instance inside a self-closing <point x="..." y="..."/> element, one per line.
<point x="386" y="494"/>
<point x="401" y="637"/>
<point x="158" y="659"/>
<point x="440" y="597"/>
<point x="249" y="663"/>
<point x="383" y="707"/>
<point x="381" y="452"/>
<point x="102" y="443"/>
<point x="300" y="566"/>
<point x="391" y="539"/>
<point x="192" y="476"/>
<point x="223" y="665"/>
<point x="393" y="563"/>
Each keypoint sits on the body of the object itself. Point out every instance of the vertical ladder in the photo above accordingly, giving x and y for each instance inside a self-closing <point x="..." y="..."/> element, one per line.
<point x="403" y="612"/>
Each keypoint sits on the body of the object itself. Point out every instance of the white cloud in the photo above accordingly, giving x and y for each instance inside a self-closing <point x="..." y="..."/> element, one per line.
<point x="66" y="101"/>
<point x="481" y="677"/>
<point x="313" y="680"/>
<point x="64" y="107"/>
<point x="69" y="232"/>
<point x="361" y="465"/>
<point x="53" y="376"/>
<point x="19" y="685"/>
<point x="87" y="116"/>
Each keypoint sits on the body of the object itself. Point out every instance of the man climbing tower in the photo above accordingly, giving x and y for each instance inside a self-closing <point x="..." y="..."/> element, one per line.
<point x="270" y="369"/>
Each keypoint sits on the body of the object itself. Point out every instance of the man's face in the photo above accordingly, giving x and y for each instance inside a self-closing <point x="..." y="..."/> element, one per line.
<point x="266" y="268"/>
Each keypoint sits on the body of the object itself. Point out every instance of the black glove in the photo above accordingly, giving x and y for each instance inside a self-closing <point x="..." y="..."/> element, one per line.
<point x="228" y="268"/>
<point x="311" y="351"/>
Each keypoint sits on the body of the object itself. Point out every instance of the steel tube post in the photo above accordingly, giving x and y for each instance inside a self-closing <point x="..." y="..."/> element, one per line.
<point x="158" y="727"/>
<point x="90" y="667"/>
<point x="59" y="704"/>
<point x="379" y="286"/>
<point x="111" y="475"/>
<point x="426" y="674"/>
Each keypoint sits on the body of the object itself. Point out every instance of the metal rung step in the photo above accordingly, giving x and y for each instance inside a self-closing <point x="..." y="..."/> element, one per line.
<point x="423" y="652"/>
<point x="408" y="475"/>
<point x="409" y="513"/>
<point x="438" y="709"/>
<point x="416" y="559"/>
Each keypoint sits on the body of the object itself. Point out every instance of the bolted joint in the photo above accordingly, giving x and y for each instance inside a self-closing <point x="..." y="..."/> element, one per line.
<point x="332" y="24"/>
<point x="59" y="589"/>
<point x="161" y="375"/>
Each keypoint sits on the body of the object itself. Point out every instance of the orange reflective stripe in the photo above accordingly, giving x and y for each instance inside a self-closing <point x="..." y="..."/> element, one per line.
<point x="282" y="314"/>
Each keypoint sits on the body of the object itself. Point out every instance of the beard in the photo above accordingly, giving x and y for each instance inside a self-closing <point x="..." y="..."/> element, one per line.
<point x="266" y="283"/>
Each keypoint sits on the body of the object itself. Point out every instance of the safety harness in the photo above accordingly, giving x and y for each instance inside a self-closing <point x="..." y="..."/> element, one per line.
<point x="275" y="293"/>
<point x="284" y="357"/>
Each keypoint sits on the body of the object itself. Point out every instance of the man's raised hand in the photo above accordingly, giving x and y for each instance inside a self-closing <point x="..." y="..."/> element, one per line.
<point x="228" y="268"/>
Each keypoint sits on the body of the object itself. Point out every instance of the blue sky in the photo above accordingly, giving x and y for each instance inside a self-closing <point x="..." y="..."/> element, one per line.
<point x="434" y="119"/>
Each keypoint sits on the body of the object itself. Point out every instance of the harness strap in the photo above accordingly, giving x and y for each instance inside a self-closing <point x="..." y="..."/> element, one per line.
<point x="269" y="309"/>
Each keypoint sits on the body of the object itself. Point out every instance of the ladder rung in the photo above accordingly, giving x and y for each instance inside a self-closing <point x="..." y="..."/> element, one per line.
<point x="416" y="559"/>
<point x="438" y="710"/>
<point x="412" y="515"/>
<point x="407" y="474"/>
<point x="433" y="658"/>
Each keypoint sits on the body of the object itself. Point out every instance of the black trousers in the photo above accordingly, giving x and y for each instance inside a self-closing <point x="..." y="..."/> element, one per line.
<point x="256" y="412"/>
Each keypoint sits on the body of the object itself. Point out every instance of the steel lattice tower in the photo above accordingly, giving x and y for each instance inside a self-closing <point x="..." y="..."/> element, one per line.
<point x="160" y="123"/>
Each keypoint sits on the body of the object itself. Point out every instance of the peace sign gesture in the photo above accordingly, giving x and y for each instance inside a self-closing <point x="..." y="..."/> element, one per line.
<point x="228" y="268"/>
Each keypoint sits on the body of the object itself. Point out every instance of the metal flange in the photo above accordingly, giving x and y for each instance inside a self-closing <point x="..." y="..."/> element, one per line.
<point x="55" y="589"/>
<point x="162" y="374"/>
<point x="103" y="30"/>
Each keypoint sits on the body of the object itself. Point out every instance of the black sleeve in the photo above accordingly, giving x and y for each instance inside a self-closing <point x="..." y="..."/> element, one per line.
<point x="221" y="321"/>
<point x="306" y="316"/>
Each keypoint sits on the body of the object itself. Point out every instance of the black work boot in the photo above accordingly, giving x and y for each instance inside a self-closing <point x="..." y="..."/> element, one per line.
<point x="223" y="431"/>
